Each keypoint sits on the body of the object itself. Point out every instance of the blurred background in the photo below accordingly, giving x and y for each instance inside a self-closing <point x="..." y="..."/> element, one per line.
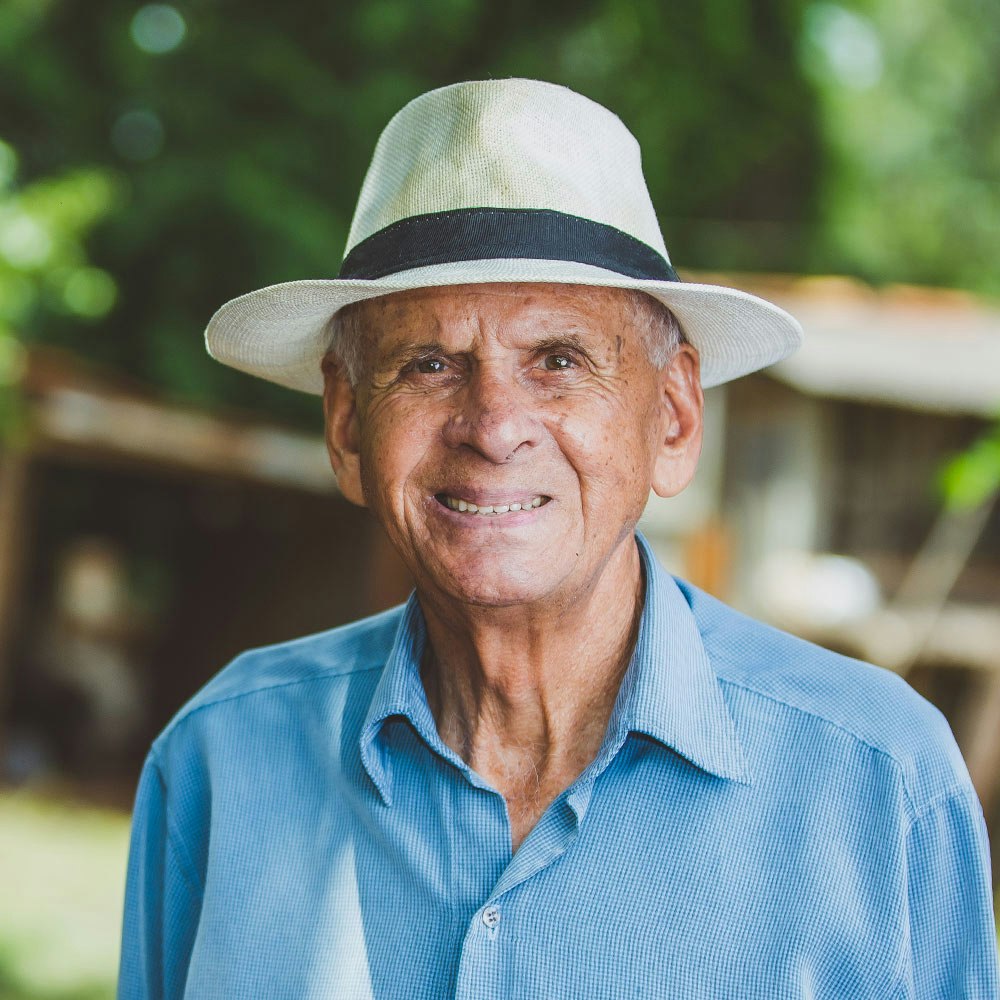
<point x="160" y="512"/>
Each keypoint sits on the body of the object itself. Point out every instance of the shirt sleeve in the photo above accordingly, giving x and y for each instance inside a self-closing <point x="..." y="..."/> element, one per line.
<point x="953" y="940"/>
<point x="162" y="900"/>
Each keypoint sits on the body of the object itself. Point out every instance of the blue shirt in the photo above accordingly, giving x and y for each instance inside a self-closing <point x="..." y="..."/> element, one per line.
<point x="764" y="819"/>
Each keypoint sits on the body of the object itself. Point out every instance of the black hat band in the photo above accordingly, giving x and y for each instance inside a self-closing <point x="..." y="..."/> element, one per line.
<point x="502" y="233"/>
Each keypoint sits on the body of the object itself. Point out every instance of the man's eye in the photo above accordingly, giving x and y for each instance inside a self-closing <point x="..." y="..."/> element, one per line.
<point x="429" y="366"/>
<point x="558" y="362"/>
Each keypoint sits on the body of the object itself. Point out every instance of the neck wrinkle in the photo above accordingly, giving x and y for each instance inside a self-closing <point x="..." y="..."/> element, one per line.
<point x="541" y="694"/>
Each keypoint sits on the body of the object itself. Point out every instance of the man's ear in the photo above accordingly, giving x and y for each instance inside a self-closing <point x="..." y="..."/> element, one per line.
<point x="343" y="437"/>
<point x="681" y="408"/>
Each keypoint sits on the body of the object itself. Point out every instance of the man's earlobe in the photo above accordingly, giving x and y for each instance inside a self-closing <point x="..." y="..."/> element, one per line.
<point x="342" y="432"/>
<point x="682" y="407"/>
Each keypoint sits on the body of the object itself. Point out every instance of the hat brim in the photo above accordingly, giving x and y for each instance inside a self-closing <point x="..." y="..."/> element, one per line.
<point x="281" y="333"/>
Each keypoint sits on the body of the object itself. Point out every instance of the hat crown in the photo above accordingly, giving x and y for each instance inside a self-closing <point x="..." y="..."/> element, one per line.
<point x="521" y="144"/>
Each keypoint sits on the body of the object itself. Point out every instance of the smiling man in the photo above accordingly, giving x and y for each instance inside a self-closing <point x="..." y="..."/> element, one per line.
<point x="557" y="771"/>
<point x="509" y="450"/>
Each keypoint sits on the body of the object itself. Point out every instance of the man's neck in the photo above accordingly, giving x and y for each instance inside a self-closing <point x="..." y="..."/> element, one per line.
<point x="525" y="699"/>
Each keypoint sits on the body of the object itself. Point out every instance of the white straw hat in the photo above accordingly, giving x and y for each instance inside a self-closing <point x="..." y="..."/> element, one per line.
<point x="499" y="181"/>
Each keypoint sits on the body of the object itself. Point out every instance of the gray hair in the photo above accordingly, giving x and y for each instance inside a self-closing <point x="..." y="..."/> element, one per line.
<point x="659" y="332"/>
<point x="658" y="328"/>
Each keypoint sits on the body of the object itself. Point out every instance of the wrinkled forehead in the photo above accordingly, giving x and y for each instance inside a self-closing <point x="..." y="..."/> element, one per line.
<point x="540" y="305"/>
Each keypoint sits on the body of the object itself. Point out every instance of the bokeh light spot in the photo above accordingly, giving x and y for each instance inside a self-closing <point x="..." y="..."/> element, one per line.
<point x="849" y="43"/>
<point x="89" y="292"/>
<point x="158" y="28"/>
<point x="138" y="135"/>
<point x="24" y="242"/>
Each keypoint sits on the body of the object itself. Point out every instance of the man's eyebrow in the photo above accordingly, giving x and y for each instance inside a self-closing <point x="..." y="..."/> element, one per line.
<point x="409" y="352"/>
<point x="554" y="341"/>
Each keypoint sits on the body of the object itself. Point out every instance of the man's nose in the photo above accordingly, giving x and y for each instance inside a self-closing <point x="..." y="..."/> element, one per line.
<point x="494" y="416"/>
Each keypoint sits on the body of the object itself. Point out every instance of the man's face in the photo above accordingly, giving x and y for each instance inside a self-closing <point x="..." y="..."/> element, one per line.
<point x="536" y="402"/>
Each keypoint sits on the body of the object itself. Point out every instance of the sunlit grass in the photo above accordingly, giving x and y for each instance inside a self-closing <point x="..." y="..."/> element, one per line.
<point x="62" y="869"/>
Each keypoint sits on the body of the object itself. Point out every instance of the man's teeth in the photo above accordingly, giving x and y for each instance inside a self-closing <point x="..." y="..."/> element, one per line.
<point x="465" y="507"/>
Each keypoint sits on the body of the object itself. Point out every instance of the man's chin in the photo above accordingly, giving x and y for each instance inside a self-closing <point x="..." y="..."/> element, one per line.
<point x="488" y="583"/>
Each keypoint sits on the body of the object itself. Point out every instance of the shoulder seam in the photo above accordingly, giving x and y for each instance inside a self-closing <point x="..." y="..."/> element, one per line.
<point x="236" y="695"/>
<point x="830" y="722"/>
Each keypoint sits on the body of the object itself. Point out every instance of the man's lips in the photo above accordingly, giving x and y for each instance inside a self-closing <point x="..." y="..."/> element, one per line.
<point x="480" y="503"/>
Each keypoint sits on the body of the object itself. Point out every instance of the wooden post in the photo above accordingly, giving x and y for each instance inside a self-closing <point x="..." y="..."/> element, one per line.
<point x="14" y="476"/>
<point x="980" y="736"/>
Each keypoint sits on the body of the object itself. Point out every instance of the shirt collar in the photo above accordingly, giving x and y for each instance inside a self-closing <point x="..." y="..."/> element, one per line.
<point x="399" y="693"/>
<point x="670" y="691"/>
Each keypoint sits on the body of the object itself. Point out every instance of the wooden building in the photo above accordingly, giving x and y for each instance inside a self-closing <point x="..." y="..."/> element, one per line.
<point x="142" y="545"/>
<point x="821" y="509"/>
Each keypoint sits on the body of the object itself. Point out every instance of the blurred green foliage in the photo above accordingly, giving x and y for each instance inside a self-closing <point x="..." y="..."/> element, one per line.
<point x="232" y="140"/>
<point x="973" y="477"/>
<point x="43" y="264"/>
<point x="910" y="94"/>
<point x="171" y="156"/>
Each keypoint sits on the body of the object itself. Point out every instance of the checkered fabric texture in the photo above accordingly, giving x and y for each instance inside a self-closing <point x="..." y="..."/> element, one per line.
<point x="765" y="819"/>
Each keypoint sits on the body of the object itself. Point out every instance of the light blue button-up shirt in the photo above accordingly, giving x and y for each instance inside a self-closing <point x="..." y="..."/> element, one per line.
<point x="764" y="819"/>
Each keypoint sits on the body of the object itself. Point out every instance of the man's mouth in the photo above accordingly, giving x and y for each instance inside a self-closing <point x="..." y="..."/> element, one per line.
<point x="463" y="506"/>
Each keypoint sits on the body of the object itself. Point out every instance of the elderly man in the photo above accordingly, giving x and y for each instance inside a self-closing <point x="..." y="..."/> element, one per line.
<point x="556" y="771"/>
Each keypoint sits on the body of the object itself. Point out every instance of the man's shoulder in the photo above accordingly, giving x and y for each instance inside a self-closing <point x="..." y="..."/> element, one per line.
<point x="346" y="650"/>
<point x="834" y="696"/>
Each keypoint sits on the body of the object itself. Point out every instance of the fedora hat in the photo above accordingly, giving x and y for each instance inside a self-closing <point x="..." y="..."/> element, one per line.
<point x="499" y="181"/>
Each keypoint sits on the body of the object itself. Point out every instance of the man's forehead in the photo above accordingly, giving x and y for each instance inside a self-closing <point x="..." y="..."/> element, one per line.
<point x="534" y="298"/>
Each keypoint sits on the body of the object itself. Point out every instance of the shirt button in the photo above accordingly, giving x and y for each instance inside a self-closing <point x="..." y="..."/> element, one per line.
<point x="491" y="916"/>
